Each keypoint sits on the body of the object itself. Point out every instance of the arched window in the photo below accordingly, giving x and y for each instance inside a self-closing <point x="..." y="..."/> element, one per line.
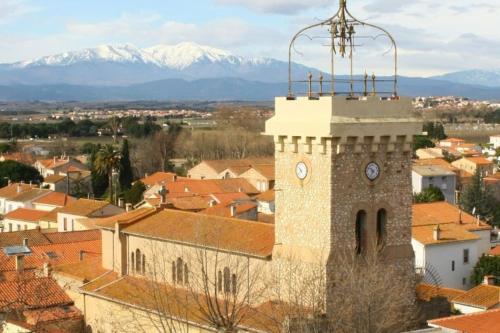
<point x="361" y="232"/>
<point x="227" y="280"/>
<point x="381" y="227"/>
<point x="132" y="261"/>
<point x="219" y="281"/>
<point x="233" y="283"/>
<point x="138" y="261"/>
<point x="174" y="272"/>
<point x="186" y="274"/>
<point x="143" y="264"/>
<point x="180" y="274"/>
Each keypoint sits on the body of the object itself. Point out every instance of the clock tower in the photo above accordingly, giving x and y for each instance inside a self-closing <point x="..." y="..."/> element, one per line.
<point x="343" y="157"/>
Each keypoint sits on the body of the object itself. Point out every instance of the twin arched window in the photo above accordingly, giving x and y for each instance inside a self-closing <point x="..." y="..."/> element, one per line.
<point x="361" y="230"/>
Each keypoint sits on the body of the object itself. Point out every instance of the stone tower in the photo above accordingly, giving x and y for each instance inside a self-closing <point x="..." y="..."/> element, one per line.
<point x="343" y="167"/>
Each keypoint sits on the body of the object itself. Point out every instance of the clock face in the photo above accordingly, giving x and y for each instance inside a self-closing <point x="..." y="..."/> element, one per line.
<point x="301" y="170"/>
<point x="372" y="171"/>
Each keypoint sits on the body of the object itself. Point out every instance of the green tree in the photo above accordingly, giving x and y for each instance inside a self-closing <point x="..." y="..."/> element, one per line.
<point x="99" y="181"/>
<point x="487" y="265"/>
<point x="430" y="194"/>
<point x="478" y="199"/>
<point x="4" y="147"/>
<point x="108" y="160"/>
<point x="422" y="142"/>
<point x="126" y="173"/>
<point x="16" y="172"/>
<point x="134" y="195"/>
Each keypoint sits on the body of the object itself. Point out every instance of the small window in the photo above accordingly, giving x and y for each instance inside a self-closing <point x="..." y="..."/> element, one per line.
<point x="227" y="281"/>
<point x="233" y="284"/>
<point x="10" y="227"/>
<point x="466" y="256"/>
<point x="65" y="224"/>
<point x="186" y="274"/>
<point x="174" y="272"/>
<point x="180" y="273"/>
<point x="138" y="261"/>
<point x="143" y="264"/>
<point x="219" y="281"/>
<point x="464" y="281"/>
<point x="453" y="265"/>
<point x="18" y="227"/>
<point x="132" y="261"/>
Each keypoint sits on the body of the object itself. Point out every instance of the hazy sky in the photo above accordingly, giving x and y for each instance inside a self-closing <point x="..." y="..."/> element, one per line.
<point x="434" y="36"/>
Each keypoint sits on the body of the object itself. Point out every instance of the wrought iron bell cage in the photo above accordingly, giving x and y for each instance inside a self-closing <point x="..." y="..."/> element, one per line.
<point x="342" y="31"/>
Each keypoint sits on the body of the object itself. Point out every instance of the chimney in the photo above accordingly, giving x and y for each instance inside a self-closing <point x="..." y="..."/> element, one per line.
<point x="19" y="188"/>
<point x="54" y="160"/>
<point x="460" y="217"/>
<point x="211" y="203"/>
<point x="146" y="175"/>
<point x="128" y="207"/>
<point x="81" y="255"/>
<point x="121" y="202"/>
<point x="47" y="270"/>
<point x="175" y="178"/>
<point x="25" y="242"/>
<point x="489" y="280"/>
<point x="163" y="194"/>
<point x="233" y="210"/>
<point x="20" y="262"/>
<point x="10" y="182"/>
<point x="437" y="233"/>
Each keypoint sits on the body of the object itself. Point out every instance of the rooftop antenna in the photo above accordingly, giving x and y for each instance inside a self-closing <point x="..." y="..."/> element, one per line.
<point x="343" y="30"/>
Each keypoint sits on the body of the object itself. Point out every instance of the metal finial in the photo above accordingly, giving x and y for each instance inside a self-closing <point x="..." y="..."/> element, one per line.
<point x="374" y="89"/>
<point x="365" y="82"/>
<point x="309" y="79"/>
<point x="321" y="84"/>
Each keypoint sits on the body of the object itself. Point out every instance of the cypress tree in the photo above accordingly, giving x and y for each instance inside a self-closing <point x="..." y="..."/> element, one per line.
<point x="126" y="173"/>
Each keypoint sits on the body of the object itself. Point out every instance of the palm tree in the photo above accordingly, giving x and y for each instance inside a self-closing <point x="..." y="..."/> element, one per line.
<point x="114" y="125"/>
<point x="107" y="161"/>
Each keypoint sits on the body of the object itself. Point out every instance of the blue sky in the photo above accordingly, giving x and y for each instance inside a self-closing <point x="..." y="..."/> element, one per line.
<point x="433" y="36"/>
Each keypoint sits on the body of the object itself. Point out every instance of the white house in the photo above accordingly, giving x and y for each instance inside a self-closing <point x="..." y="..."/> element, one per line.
<point x="52" y="200"/>
<point x="448" y="242"/>
<point x="68" y="217"/>
<point x="265" y="202"/>
<point x="22" y="219"/>
<point x="23" y="199"/>
<point x="495" y="141"/>
<point x="11" y="191"/>
<point x="425" y="176"/>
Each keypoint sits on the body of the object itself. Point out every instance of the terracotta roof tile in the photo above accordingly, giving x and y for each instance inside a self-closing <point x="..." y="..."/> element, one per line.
<point x="32" y="294"/>
<point x="235" y="185"/>
<point x="35" y="237"/>
<point x="495" y="251"/>
<point x="224" y="209"/>
<point x="55" y="199"/>
<point x="190" y="203"/>
<point x="216" y="232"/>
<point x="84" y="207"/>
<point x="267" y="196"/>
<point x="25" y="214"/>
<point x="482" y="322"/>
<point x="29" y="195"/>
<point x="160" y="178"/>
<point x="124" y="218"/>
<point x="482" y="296"/>
<point x="426" y="292"/>
<point x="223" y="197"/>
<point x="53" y="179"/>
<point x="449" y="233"/>
<point x="443" y="212"/>
<point x="479" y="160"/>
<point x="221" y="165"/>
<point x="19" y="157"/>
<point x="86" y="270"/>
<point x="52" y="314"/>
<point x="265" y="170"/>
<point x="265" y="218"/>
<point x="73" y="236"/>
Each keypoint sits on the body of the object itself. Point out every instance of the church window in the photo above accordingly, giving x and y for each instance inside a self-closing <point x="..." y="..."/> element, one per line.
<point x="381" y="227"/>
<point x="180" y="273"/>
<point x="361" y="232"/>
<point x="227" y="281"/>
<point x="132" y="261"/>
<point x="174" y="272"/>
<point x="138" y="261"/>
<point x="143" y="264"/>
<point x="233" y="283"/>
<point x="219" y="281"/>
<point x="186" y="274"/>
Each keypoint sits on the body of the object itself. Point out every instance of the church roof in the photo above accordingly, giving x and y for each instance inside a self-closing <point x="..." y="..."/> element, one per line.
<point x="215" y="232"/>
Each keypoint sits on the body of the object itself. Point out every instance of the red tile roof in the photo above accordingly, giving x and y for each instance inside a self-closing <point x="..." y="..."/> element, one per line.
<point x="426" y="292"/>
<point x="53" y="179"/>
<point x="225" y="234"/>
<point x="38" y="237"/>
<point x="482" y="296"/>
<point x="57" y="199"/>
<point x="495" y="251"/>
<point x="32" y="294"/>
<point x="158" y="178"/>
<point x="124" y="218"/>
<point x="481" y="322"/>
<point x="84" y="207"/>
<point x="224" y="209"/>
<point x="25" y="214"/>
<point x="267" y="196"/>
<point x="479" y="160"/>
<point x="14" y="189"/>
<point x="443" y="212"/>
<point x="221" y="165"/>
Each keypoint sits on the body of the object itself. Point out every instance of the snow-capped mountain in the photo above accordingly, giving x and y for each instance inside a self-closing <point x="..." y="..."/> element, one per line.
<point x="487" y="78"/>
<point x="127" y="64"/>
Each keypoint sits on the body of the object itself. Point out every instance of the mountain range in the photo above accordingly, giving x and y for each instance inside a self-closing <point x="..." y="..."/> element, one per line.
<point x="189" y="71"/>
